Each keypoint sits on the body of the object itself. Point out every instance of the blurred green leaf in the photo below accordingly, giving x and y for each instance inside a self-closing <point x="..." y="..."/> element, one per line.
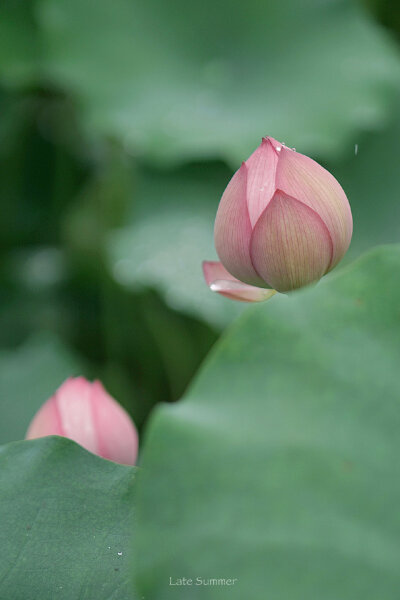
<point x="65" y="517"/>
<point x="38" y="171"/>
<point x="371" y="179"/>
<point x="170" y="234"/>
<point x="29" y="375"/>
<point x="177" y="81"/>
<point x="280" y="468"/>
<point x="20" y="51"/>
<point x="99" y="206"/>
<point x="191" y="340"/>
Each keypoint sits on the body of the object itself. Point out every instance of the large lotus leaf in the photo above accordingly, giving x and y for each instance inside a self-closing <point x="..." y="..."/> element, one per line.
<point x="280" y="468"/>
<point x="29" y="375"/>
<point x="65" y="523"/>
<point x="177" y="80"/>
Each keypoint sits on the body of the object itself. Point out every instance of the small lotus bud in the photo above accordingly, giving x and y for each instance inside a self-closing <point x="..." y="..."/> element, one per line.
<point x="84" y="412"/>
<point x="283" y="222"/>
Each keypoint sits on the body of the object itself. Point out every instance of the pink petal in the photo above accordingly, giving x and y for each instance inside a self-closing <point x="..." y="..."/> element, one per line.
<point x="74" y="405"/>
<point x="232" y="231"/>
<point x="117" y="437"/>
<point x="86" y="413"/>
<point x="219" y="280"/>
<point x="46" y="421"/>
<point x="302" y="178"/>
<point x="291" y="246"/>
<point x="213" y="270"/>
<point x="261" y="168"/>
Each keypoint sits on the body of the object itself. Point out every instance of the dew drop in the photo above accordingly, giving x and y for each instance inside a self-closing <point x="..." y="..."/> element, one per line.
<point x="278" y="148"/>
<point x="356" y="149"/>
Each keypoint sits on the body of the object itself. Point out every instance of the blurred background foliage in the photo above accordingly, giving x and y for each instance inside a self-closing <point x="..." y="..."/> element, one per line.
<point x="121" y="123"/>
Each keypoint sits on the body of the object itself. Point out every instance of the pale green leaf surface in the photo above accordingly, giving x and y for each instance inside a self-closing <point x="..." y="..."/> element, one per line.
<point x="66" y="518"/>
<point x="280" y="466"/>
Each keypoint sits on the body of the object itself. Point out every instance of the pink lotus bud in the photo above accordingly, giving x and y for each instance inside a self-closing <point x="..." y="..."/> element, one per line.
<point x="283" y="222"/>
<point x="86" y="413"/>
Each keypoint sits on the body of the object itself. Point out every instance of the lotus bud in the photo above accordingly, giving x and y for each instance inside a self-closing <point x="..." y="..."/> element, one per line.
<point x="283" y="222"/>
<point x="84" y="412"/>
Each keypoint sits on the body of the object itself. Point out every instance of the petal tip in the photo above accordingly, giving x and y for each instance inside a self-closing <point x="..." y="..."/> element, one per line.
<point x="241" y="292"/>
<point x="220" y="281"/>
<point x="275" y="145"/>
